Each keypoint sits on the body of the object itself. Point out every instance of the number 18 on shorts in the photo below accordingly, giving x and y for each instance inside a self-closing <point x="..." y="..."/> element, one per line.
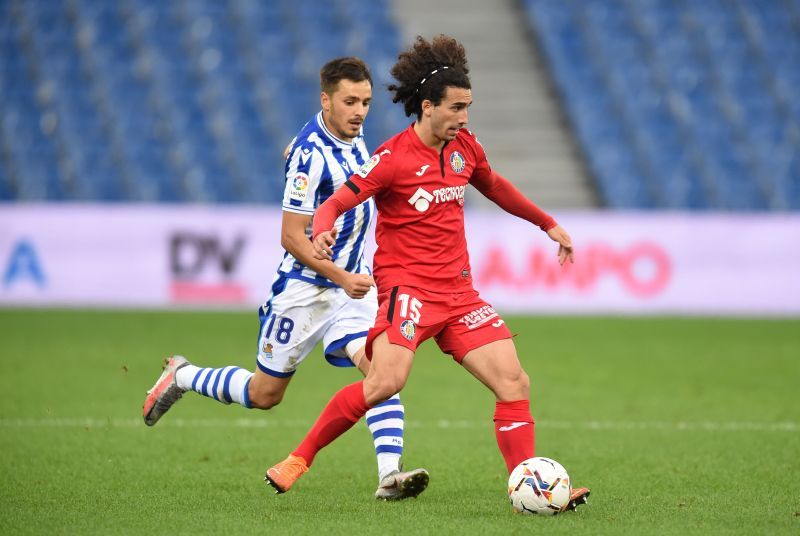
<point x="294" y="320"/>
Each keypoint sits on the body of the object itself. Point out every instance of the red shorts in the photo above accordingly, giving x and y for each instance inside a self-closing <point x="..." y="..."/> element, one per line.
<point x="460" y="322"/>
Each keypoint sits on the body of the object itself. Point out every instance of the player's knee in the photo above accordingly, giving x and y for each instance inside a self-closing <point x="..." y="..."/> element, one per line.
<point x="383" y="389"/>
<point x="515" y="386"/>
<point x="524" y="383"/>
<point x="395" y="385"/>
<point x="263" y="399"/>
<point x="521" y="386"/>
<point x="389" y="388"/>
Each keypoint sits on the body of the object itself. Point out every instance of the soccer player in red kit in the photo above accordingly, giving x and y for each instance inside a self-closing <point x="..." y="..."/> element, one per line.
<point x="421" y="266"/>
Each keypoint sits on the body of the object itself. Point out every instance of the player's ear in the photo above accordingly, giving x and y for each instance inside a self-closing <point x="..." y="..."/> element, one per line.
<point x="427" y="107"/>
<point x="325" y="101"/>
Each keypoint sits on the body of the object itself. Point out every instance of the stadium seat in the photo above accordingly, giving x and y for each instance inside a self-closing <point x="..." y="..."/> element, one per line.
<point x="188" y="101"/>
<point x="664" y="107"/>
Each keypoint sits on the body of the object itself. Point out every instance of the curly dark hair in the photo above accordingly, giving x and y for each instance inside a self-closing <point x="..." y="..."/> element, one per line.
<point x="426" y="70"/>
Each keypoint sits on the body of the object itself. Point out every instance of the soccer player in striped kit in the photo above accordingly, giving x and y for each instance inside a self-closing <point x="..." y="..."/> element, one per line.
<point x="331" y="300"/>
<point x="418" y="180"/>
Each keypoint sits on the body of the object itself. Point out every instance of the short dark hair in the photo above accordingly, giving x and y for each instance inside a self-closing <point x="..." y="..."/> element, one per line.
<point x="347" y="68"/>
<point x="426" y="70"/>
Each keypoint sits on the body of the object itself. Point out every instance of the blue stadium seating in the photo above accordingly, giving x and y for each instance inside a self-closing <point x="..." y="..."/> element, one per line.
<point x="681" y="105"/>
<point x="678" y="105"/>
<point x="187" y="100"/>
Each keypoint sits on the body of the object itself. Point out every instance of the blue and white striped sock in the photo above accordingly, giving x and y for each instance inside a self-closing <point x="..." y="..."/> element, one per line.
<point x="386" y="422"/>
<point x="226" y="385"/>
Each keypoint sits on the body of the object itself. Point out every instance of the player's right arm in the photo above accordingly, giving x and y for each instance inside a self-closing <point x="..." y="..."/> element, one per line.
<point x="371" y="178"/>
<point x="304" y="169"/>
<point x="295" y="241"/>
<point x="503" y="192"/>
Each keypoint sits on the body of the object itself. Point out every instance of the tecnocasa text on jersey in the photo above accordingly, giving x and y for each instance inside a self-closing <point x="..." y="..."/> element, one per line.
<point x="450" y="193"/>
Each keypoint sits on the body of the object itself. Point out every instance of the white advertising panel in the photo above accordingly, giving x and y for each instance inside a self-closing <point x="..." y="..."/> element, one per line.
<point x="733" y="264"/>
<point x="138" y="256"/>
<point x="190" y="256"/>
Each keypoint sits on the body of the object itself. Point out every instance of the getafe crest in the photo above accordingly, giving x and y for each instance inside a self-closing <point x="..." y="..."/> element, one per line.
<point x="408" y="329"/>
<point x="457" y="162"/>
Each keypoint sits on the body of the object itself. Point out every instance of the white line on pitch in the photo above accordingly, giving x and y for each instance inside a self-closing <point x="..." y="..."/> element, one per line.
<point x="135" y="422"/>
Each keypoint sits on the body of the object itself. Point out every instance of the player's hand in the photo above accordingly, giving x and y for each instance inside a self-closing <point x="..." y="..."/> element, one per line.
<point x="357" y="285"/>
<point x="323" y="243"/>
<point x="558" y="234"/>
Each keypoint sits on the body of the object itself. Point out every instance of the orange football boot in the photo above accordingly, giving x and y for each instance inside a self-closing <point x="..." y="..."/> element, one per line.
<point x="283" y="475"/>
<point x="578" y="497"/>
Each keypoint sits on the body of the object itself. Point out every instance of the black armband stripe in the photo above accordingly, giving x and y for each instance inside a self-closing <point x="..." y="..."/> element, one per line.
<point x="350" y="184"/>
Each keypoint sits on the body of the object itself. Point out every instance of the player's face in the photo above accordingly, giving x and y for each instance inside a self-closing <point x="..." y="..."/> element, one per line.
<point x="451" y="114"/>
<point x="346" y="108"/>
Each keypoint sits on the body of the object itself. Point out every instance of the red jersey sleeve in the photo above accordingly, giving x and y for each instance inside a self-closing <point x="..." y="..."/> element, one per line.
<point x="482" y="168"/>
<point x="371" y="178"/>
<point x="506" y="196"/>
<point x="504" y="193"/>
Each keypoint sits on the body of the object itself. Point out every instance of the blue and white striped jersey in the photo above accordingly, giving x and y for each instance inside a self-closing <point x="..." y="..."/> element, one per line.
<point x="317" y="166"/>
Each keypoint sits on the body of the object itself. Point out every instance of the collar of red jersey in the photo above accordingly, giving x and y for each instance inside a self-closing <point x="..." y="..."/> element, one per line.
<point x="421" y="144"/>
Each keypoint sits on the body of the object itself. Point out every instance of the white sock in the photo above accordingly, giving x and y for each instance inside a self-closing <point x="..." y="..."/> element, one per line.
<point x="226" y="385"/>
<point x="386" y="422"/>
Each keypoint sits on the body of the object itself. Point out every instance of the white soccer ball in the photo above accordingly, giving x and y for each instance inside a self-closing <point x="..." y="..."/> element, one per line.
<point x="539" y="486"/>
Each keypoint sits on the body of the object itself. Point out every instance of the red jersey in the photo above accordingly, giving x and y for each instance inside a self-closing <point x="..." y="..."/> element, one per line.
<point x="419" y="193"/>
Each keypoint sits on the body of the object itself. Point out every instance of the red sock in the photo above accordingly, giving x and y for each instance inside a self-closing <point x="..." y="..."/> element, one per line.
<point x="342" y="412"/>
<point x="513" y="427"/>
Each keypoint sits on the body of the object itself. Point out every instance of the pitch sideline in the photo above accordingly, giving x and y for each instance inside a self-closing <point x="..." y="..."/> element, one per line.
<point x="135" y="422"/>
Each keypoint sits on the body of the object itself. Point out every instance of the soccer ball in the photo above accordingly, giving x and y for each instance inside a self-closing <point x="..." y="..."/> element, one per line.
<point x="539" y="486"/>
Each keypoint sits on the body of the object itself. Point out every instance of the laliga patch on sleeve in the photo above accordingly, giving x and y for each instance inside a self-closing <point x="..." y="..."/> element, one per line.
<point x="299" y="187"/>
<point x="368" y="166"/>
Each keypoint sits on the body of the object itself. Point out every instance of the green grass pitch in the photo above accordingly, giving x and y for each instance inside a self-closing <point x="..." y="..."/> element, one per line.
<point x="677" y="425"/>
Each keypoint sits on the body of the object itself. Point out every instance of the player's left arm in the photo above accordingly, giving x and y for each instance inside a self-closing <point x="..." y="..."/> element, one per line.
<point x="363" y="184"/>
<point x="323" y="232"/>
<point x="505" y="195"/>
<point x="295" y="241"/>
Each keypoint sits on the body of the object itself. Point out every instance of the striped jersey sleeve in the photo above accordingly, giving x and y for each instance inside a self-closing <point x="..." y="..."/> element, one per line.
<point x="303" y="173"/>
<point x="319" y="164"/>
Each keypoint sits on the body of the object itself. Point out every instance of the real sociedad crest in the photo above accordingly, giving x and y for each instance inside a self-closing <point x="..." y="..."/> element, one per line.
<point x="457" y="162"/>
